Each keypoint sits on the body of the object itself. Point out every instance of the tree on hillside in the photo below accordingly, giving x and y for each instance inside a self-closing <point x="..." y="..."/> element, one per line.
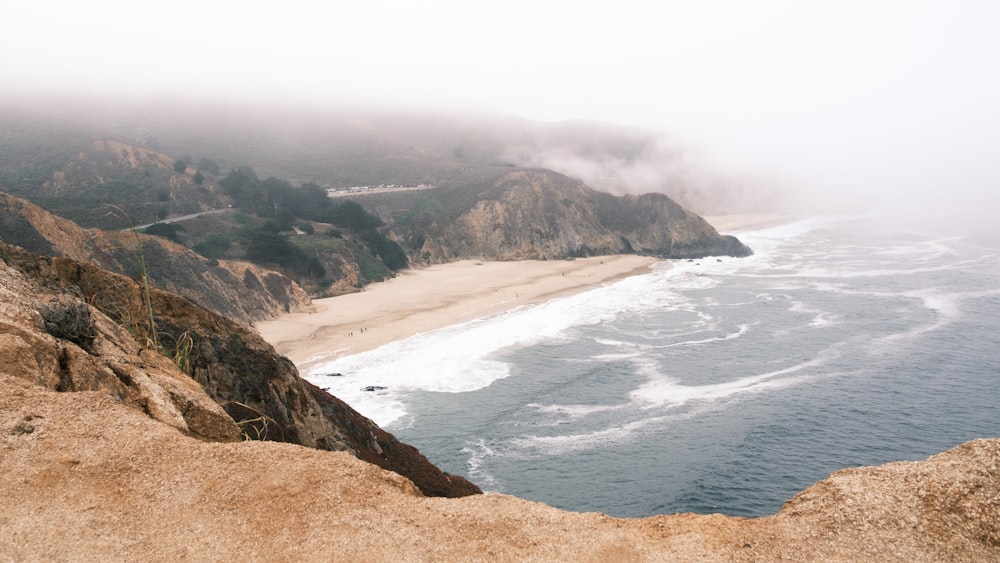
<point x="180" y="165"/>
<point x="308" y="201"/>
<point x="214" y="246"/>
<point x="238" y="183"/>
<point x="166" y="230"/>
<point x="208" y="165"/>
<point x="350" y="214"/>
<point x="267" y="247"/>
<point x="389" y="251"/>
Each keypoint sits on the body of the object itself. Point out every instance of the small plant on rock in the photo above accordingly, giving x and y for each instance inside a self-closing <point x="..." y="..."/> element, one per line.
<point x="151" y="339"/>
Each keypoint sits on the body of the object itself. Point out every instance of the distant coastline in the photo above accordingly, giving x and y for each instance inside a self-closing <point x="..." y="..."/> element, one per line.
<point x="427" y="299"/>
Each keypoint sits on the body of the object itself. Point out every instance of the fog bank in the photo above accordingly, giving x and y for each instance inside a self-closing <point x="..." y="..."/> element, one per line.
<point x="839" y="106"/>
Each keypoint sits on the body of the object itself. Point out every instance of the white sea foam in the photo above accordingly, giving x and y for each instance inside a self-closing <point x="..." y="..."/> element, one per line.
<point x="666" y="391"/>
<point x="680" y="355"/>
<point x="456" y="359"/>
<point x="573" y="411"/>
<point x="477" y="453"/>
<point x="820" y="318"/>
<point x="667" y="396"/>
<point x="533" y="445"/>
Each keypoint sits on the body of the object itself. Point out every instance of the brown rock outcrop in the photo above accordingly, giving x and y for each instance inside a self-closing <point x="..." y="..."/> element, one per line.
<point x="56" y="340"/>
<point x="86" y="478"/>
<point x="543" y="215"/>
<point x="257" y="387"/>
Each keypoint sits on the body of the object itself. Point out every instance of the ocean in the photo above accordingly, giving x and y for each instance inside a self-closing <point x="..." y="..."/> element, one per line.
<point x="713" y="385"/>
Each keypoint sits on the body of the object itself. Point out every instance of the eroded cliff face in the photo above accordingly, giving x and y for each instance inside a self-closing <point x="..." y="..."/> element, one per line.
<point x="237" y="290"/>
<point x="54" y="339"/>
<point x="109" y="450"/>
<point x="84" y="477"/>
<point x="254" y="386"/>
<point x="542" y="215"/>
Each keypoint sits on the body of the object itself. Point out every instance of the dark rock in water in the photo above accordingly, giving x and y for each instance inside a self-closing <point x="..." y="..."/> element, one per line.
<point x="373" y="388"/>
<point x="374" y="445"/>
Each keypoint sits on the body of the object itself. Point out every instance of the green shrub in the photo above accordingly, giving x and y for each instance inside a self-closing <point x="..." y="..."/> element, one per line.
<point x="389" y="251"/>
<point x="169" y="231"/>
<point x="351" y="215"/>
<point x="214" y="246"/>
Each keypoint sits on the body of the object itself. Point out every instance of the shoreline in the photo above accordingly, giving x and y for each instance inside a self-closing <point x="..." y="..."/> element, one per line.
<point x="427" y="299"/>
<point x="431" y="298"/>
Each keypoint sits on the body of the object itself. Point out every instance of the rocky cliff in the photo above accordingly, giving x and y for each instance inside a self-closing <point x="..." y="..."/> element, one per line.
<point x="109" y="450"/>
<point x="541" y="214"/>
<point x="64" y="327"/>
<point x="87" y="478"/>
<point x="238" y="290"/>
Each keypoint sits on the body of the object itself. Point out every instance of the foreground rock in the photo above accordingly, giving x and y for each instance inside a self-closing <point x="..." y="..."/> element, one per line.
<point x="56" y="330"/>
<point x="84" y="477"/>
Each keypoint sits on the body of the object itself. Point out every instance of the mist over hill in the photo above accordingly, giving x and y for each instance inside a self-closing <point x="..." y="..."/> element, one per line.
<point x="492" y="187"/>
<point x="350" y="145"/>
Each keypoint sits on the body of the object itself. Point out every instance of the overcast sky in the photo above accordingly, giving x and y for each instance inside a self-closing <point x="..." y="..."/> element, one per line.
<point x="868" y="96"/>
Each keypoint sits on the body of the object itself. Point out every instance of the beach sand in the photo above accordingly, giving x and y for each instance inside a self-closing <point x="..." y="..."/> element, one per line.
<point x="422" y="300"/>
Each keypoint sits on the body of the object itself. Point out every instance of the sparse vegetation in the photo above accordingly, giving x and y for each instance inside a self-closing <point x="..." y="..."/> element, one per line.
<point x="214" y="246"/>
<point x="148" y="337"/>
<point x="183" y="347"/>
<point x="70" y="320"/>
<point x="253" y="424"/>
<point x="169" y="231"/>
<point x="208" y="165"/>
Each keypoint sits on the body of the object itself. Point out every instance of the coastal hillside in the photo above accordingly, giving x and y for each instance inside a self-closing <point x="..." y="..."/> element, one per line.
<point x="366" y="145"/>
<point x="521" y="214"/>
<point x="226" y="217"/>
<point x="236" y="289"/>
<point x="69" y="326"/>
<point x="190" y="180"/>
<point x="73" y="169"/>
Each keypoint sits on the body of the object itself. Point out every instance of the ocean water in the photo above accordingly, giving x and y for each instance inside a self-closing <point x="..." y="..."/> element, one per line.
<point x="715" y="385"/>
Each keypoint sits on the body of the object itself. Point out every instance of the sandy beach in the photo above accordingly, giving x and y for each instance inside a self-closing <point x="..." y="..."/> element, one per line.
<point x="422" y="300"/>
